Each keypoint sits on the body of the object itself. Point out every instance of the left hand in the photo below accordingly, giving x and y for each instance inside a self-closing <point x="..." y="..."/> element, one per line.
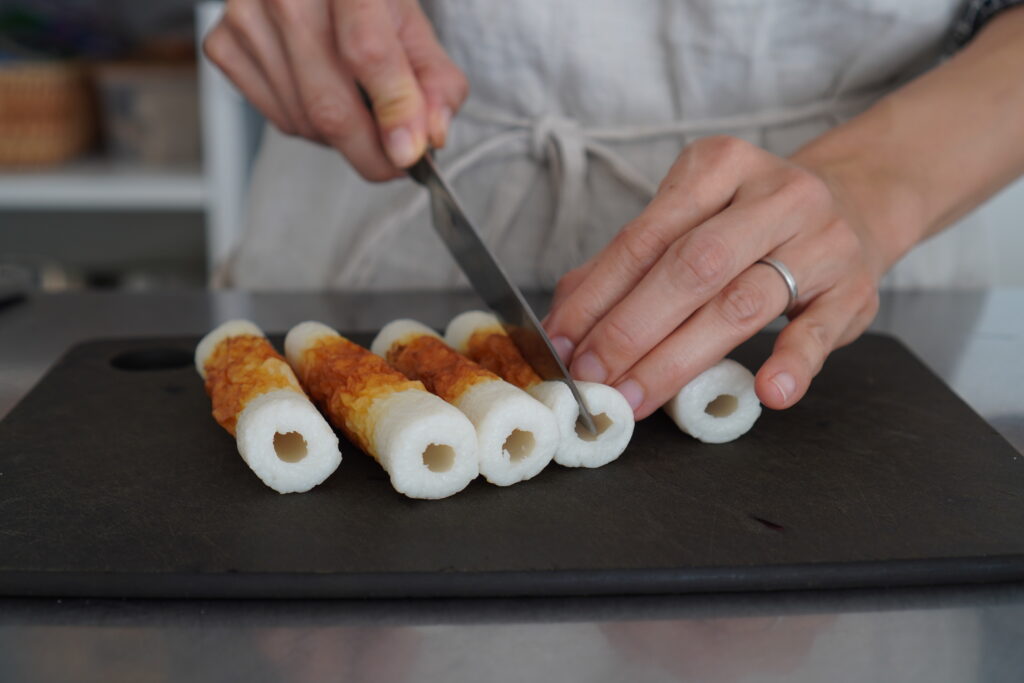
<point x="679" y="287"/>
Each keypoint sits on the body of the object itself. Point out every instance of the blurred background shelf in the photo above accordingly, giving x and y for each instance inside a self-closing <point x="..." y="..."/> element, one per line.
<point x="126" y="160"/>
<point x="103" y="185"/>
<point x="158" y="199"/>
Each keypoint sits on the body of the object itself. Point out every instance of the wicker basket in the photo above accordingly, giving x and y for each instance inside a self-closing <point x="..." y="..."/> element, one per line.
<point x="46" y="112"/>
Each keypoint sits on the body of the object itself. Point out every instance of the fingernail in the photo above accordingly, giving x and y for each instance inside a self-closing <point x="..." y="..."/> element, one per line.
<point x="589" y="368"/>
<point x="563" y="347"/>
<point x="785" y="383"/>
<point x="401" y="148"/>
<point x="633" y="392"/>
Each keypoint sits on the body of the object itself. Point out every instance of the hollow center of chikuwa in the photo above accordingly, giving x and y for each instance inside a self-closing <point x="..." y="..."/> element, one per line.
<point x="723" y="406"/>
<point x="438" y="457"/>
<point x="289" y="446"/>
<point x="601" y="421"/>
<point x="519" y="445"/>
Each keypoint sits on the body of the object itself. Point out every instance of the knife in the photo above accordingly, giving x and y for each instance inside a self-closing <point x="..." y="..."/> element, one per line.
<point x="491" y="283"/>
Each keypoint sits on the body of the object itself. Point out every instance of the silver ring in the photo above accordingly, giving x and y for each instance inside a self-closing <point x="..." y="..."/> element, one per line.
<point x="787" y="277"/>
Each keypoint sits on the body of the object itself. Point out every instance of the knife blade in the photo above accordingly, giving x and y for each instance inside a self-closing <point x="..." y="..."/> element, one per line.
<point x="491" y="283"/>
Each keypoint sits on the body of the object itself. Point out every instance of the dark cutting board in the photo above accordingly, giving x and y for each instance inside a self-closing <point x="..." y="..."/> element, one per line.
<point x="116" y="481"/>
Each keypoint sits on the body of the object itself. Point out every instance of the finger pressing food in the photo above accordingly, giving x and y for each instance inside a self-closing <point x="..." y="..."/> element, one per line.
<point x="480" y="336"/>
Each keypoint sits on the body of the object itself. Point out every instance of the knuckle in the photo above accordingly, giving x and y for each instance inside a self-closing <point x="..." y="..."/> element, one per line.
<point x="445" y="78"/>
<point x="842" y="239"/>
<point x="742" y="304"/>
<point x="365" y="49"/>
<point x="282" y="9"/>
<point x="675" y="371"/>
<point x="863" y="290"/>
<point x="806" y="191"/>
<point x="328" y="116"/>
<point x="562" y="288"/>
<point x="240" y="16"/>
<point x="217" y="46"/>
<point x="588" y="312"/>
<point x="701" y="262"/>
<point x="618" y="337"/>
<point x="561" y="292"/>
<point x="808" y="186"/>
<point x="568" y="282"/>
<point x="639" y="245"/>
<point x="397" y="106"/>
<point x="818" y="335"/>
<point x="723" y="148"/>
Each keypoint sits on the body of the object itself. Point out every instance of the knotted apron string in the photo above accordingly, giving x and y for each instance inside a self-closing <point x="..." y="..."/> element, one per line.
<point x="565" y="146"/>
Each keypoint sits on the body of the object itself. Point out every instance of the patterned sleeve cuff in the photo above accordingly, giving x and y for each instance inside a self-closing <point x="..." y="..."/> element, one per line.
<point x="975" y="15"/>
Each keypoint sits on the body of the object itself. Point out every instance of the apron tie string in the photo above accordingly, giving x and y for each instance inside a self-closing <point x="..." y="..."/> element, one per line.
<point x="564" y="146"/>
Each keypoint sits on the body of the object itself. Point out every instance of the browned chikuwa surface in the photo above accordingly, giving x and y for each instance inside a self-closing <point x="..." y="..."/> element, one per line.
<point x="443" y="370"/>
<point x="240" y="369"/>
<point x="493" y="349"/>
<point x="344" y="379"/>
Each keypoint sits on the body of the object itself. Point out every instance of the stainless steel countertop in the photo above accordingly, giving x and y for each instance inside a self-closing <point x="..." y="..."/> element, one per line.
<point x="975" y="341"/>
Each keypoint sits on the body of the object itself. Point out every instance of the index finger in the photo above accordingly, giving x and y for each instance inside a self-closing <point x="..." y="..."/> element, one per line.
<point x="327" y="91"/>
<point x="367" y="37"/>
<point x="701" y="183"/>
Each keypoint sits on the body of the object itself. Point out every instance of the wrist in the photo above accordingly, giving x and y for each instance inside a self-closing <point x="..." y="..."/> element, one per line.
<point x="880" y="202"/>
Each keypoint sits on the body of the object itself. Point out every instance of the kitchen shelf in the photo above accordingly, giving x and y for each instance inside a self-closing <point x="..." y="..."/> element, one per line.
<point x="103" y="185"/>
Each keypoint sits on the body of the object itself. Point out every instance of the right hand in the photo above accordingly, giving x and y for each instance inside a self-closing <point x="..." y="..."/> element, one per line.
<point x="302" y="62"/>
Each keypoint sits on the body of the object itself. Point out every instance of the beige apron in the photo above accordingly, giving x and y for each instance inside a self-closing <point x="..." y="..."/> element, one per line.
<point x="578" y="108"/>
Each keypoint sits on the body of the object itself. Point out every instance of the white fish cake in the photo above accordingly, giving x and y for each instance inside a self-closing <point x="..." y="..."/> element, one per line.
<point x="481" y="337"/>
<point x="719" y="405"/>
<point x="427" y="447"/>
<point x="516" y="434"/>
<point x="612" y="415"/>
<point x="256" y="397"/>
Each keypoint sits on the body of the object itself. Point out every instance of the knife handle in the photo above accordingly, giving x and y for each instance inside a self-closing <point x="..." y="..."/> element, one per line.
<point x="422" y="169"/>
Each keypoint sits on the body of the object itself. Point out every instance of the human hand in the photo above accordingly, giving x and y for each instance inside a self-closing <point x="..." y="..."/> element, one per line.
<point x="301" y="63"/>
<point x="679" y="287"/>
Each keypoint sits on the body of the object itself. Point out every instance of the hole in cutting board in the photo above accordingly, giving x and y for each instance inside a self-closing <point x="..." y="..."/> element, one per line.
<point x="152" y="359"/>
